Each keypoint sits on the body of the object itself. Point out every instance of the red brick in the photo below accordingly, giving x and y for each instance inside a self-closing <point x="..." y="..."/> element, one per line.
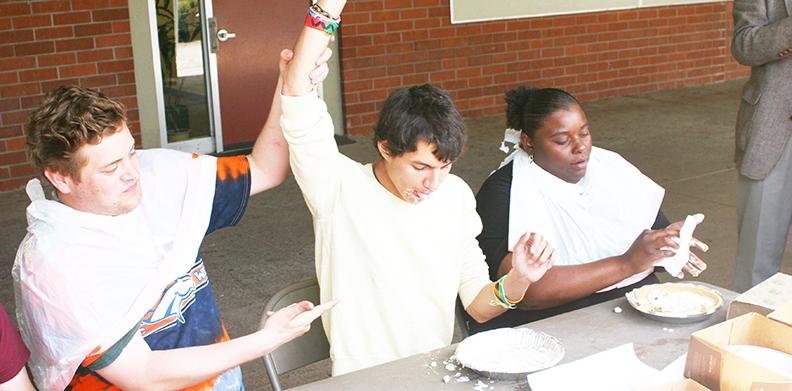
<point x="77" y="70"/>
<point x="57" y="59"/>
<point x="95" y="55"/>
<point x="15" y="143"/>
<point x="13" y="117"/>
<point x="49" y="86"/>
<point x="90" y="4"/>
<point x="12" y="157"/>
<point x="113" y="40"/>
<point x="126" y="78"/>
<point x="23" y="22"/>
<point x="98" y="81"/>
<point x="74" y="44"/>
<point x="115" y="66"/>
<point x="47" y="7"/>
<point x="9" y="78"/>
<point x="110" y="14"/>
<point x="15" y="36"/>
<point x="13" y="184"/>
<point x="22" y="170"/>
<point x="27" y="49"/>
<point x="10" y="131"/>
<point x="14" y="9"/>
<point x="123" y="26"/>
<point x="88" y="30"/>
<point x="38" y="74"/>
<point x="54" y="32"/>
<point x="119" y="91"/>
<point x="72" y="18"/>
<point x="9" y="104"/>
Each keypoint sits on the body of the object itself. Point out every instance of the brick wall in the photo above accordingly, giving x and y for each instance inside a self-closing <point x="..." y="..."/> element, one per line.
<point x="388" y="44"/>
<point x="45" y="44"/>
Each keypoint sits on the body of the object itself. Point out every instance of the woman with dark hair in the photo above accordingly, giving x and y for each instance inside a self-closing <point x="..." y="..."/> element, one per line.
<point x="600" y="212"/>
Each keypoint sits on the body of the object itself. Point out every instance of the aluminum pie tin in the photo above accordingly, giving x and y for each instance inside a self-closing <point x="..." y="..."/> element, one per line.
<point x="509" y="353"/>
<point x="675" y="302"/>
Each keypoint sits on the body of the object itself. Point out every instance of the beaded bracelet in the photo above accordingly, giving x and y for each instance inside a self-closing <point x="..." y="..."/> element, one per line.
<point x="498" y="301"/>
<point x="503" y="292"/>
<point x="321" y="20"/>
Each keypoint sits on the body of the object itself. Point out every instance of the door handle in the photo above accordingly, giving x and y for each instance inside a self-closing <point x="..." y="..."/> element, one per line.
<point x="223" y="35"/>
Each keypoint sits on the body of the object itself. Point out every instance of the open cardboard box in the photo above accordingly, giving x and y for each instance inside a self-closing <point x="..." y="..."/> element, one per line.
<point x="768" y="296"/>
<point x="719" y="370"/>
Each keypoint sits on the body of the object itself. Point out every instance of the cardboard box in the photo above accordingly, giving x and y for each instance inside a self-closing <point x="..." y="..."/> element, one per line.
<point x="720" y="370"/>
<point x="770" y="295"/>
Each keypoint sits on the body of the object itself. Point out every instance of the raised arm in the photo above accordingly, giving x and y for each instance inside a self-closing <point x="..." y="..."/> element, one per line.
<point x="306" y="124"/>
<point x="140" y="368"/>
<point x="758" y="40"/>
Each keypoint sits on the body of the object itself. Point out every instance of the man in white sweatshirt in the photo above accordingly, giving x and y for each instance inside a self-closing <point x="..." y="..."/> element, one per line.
<point x="395" y="239"/>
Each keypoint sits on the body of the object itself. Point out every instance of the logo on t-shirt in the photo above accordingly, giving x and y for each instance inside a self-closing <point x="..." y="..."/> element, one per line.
<point x="176" y="299"/>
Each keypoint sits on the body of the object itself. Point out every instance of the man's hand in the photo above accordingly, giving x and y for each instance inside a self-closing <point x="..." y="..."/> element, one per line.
<point x="317" y="75"/>
<point x="294" y="320"/>
<point x="532" y="256"/>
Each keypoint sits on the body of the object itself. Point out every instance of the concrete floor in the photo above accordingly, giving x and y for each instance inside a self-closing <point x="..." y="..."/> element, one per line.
<point x="683" y="139"/>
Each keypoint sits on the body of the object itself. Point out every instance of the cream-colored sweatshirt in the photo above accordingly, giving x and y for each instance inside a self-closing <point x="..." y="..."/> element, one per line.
<point x="396" y="267"/>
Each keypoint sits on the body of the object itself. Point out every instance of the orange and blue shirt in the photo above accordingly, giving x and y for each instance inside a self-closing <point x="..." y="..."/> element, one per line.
<point x="186" y="314"/>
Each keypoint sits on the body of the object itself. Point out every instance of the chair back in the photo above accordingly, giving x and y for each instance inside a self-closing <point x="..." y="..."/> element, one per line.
<point x="307" y="349"/>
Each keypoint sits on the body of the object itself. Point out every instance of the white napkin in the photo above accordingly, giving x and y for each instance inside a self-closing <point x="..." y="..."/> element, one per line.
<point x="675" y="263"/>
<point x="615" y="369"/>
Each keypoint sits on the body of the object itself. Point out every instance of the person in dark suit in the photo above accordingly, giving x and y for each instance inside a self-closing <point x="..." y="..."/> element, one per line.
<point x="763" y="152"/>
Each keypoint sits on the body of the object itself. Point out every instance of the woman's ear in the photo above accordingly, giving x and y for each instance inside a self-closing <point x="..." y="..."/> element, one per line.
<point x="525" y="142"/>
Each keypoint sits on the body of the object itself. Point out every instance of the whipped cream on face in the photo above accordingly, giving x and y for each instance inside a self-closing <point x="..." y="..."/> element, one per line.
<point x="414" y="196"/>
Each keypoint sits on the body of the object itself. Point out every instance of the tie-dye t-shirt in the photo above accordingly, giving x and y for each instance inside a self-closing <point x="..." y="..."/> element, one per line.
<point x="186" y="314"/>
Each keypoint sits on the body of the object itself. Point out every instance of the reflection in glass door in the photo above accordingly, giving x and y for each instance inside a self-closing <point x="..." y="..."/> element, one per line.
<point x="184" y="81"/>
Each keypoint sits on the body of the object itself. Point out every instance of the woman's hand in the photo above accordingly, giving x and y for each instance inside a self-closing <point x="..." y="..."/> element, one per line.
<point x="532" y="256"/>
<point x="694" y="265"/>
<point x="649" y="247"/>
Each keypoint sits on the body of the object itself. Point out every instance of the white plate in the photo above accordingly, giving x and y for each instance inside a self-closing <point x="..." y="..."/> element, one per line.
<point x="675" y="302"/>
<point x="509" y="353"/>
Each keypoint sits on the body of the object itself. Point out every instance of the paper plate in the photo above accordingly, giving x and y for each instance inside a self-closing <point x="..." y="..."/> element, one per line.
<point x="509" y="354"/>
<point x="675" y="302"/>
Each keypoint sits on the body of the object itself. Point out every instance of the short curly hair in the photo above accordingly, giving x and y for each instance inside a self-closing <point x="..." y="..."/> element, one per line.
<point x="421" y="113"/>
<point x="68" y="118"/>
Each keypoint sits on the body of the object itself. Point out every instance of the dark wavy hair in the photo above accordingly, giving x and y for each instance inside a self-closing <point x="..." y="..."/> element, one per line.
<point x="68" y="118"/>
<point x="421" y="113"/>
<point x="527" y="108"/>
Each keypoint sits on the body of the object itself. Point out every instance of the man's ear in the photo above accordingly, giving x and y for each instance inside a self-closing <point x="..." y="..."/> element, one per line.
<point x="382" y="147"/>
<point x="63" y="183"/>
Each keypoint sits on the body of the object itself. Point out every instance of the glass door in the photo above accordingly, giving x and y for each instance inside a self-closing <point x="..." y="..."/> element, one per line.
<point x="184" y="68"/>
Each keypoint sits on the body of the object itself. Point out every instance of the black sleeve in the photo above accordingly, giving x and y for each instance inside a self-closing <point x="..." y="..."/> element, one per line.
<point x="492" y="205"/>
<point x="661" y="221"/>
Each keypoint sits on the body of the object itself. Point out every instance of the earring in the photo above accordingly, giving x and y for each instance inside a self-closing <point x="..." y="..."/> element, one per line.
<point x="529" y="151"/>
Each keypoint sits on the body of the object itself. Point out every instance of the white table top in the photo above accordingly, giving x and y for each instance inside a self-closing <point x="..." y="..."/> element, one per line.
<point x="582" y="332"/>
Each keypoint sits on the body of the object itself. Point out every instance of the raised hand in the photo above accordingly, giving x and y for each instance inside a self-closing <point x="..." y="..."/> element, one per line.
<point x="532" y="256"/>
